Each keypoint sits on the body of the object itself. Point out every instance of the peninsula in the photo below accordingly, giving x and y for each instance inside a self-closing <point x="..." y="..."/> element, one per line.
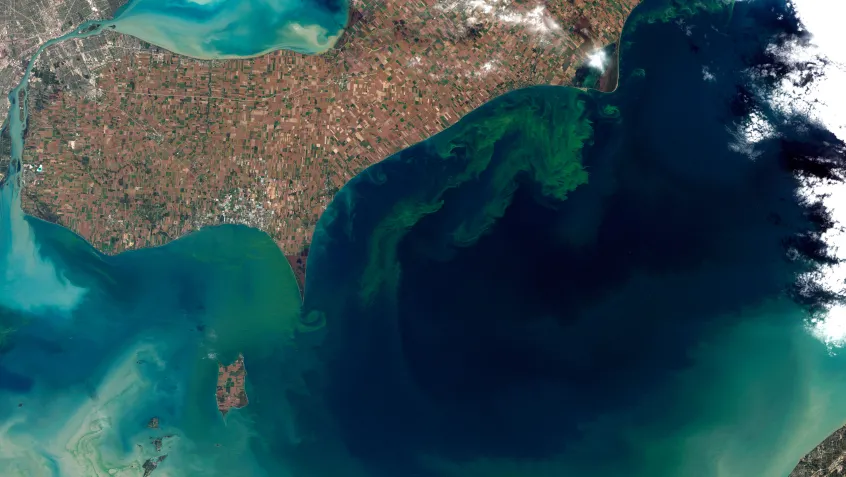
<point x="164" y="145"/>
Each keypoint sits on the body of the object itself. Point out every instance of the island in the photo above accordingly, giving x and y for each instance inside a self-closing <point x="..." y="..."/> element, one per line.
<point x="151" y="464"/>
<point x="132" y="146"/>
<point x="153" y="423"/>
<point x="231" y="386"/>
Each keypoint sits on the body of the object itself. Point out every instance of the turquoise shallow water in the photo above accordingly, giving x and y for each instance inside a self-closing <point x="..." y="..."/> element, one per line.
<point x="564" y="283"/>
<point x="117" y="341"/>
<point x="209" y="29"/>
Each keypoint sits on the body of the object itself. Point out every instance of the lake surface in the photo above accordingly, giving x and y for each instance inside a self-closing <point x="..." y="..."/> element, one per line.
<point x="216" y="29"/>
<point x="563" y="283"/>
<point x="120" y="340"/>
<point x="572" y="283"/>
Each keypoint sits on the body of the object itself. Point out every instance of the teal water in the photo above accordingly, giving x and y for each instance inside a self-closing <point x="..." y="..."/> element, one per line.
<point x="563" y="283"/>
<point x="216" y="29"/>
<point x="93" y="347"/>
<point x="116" y="341"/>
<point x="575" y="283"/>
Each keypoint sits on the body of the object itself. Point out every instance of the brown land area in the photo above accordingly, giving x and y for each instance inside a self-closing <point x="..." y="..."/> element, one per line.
<point x="169" y="144"/>
<point x="231" y="390"/>
<point x="827" y="460"/>
<point x="151" y="464"/>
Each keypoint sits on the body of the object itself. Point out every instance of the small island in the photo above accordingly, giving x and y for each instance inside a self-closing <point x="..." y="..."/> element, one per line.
<point x="151" y="464"/>
<point x="231" y="386"/>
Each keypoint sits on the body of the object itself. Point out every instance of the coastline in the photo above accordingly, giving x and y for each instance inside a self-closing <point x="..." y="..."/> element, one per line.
<point x="16" y="128"/>
<point x="298" y="262"/>
<point x="354" y="15"/>
<point x="144" y="22"/>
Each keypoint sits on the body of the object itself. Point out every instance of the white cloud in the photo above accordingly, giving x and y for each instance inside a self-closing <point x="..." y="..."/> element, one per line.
<point x="830" y="325"/>
<point x="535" y="19"/>
<point x="707" y="75"/>
<point x="597" y="60"/>
<point x="821" y="100"/>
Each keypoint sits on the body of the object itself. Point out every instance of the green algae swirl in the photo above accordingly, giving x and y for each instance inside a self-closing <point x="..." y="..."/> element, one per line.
<point x="553" y="128"/>
<point x="484" y="311"/>
<point x="229" y="290"/>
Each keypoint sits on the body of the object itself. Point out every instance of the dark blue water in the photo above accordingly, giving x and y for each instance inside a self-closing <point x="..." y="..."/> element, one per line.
<point x="563" y="283"/>
<point x="651" y="320"/>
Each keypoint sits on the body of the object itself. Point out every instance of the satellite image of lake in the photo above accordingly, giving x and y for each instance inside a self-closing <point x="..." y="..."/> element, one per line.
<point x="565" y="282"/>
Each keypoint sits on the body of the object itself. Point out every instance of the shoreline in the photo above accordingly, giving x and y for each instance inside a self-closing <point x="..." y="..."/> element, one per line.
<point x="354" y="15"/>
